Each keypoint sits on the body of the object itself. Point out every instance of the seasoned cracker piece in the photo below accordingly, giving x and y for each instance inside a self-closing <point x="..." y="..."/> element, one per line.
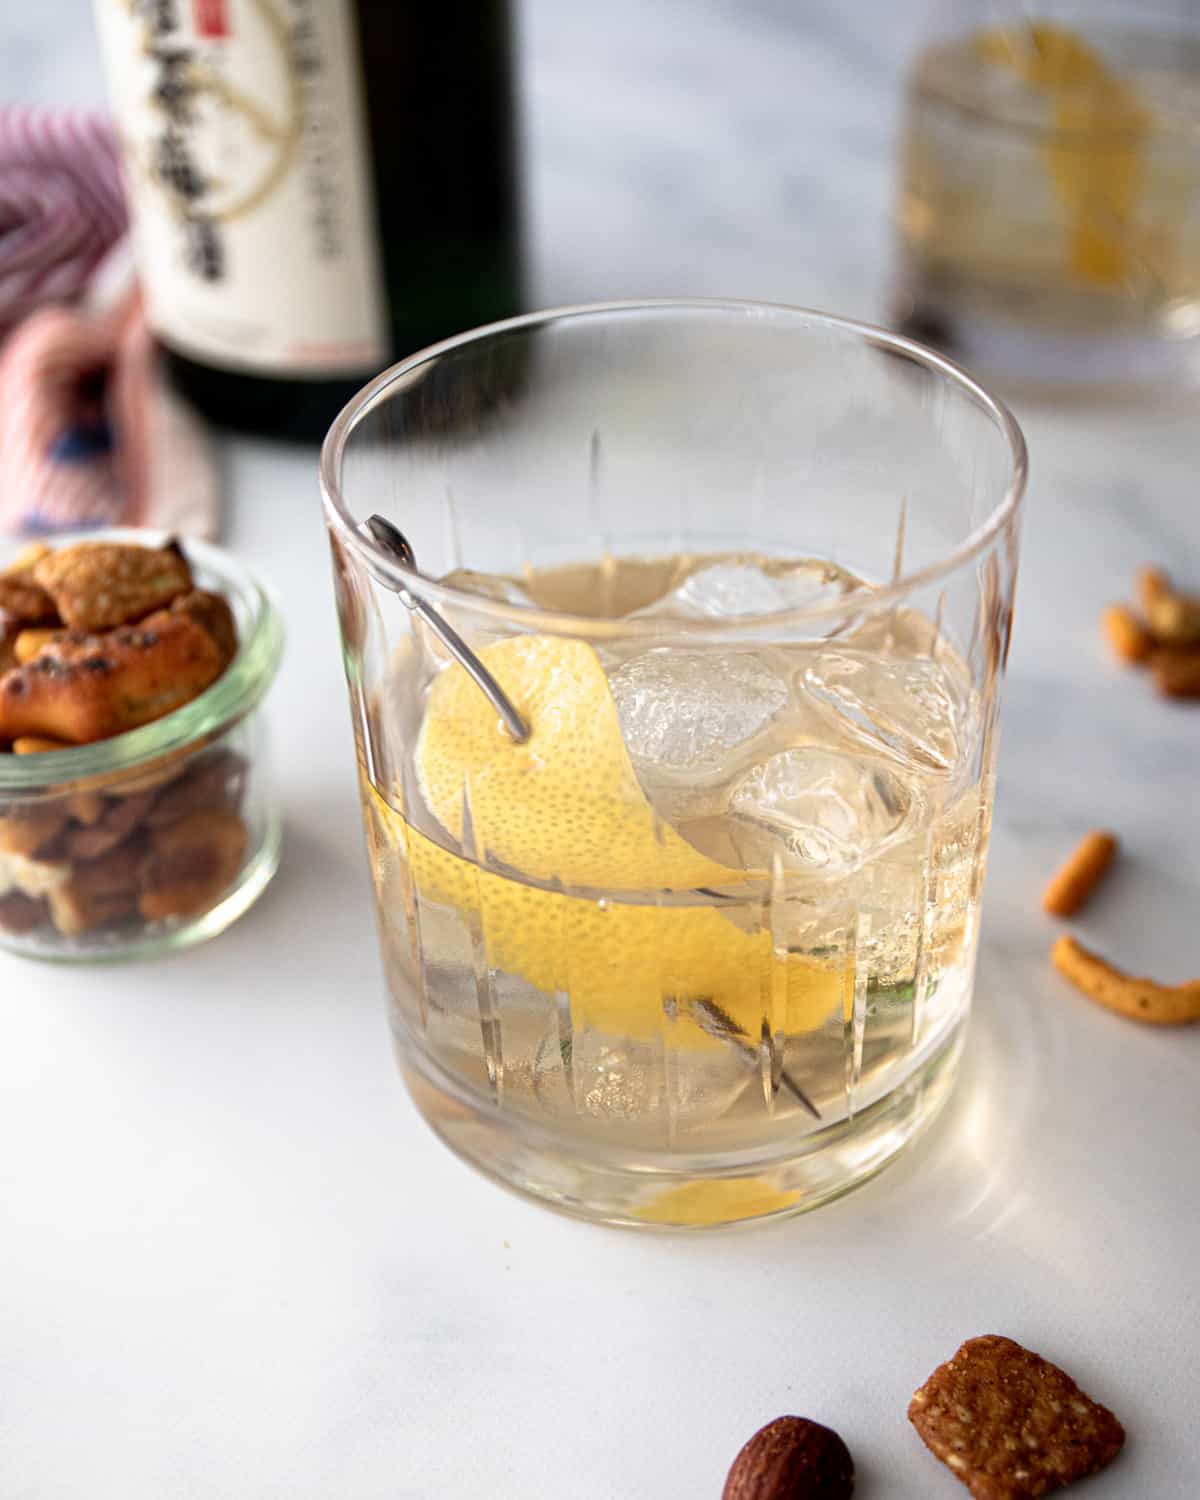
<point x="96" y="585"/>
<point x="30" y="642"/>
<point x="22" y="602"/>
<point x="212" y="611"/>
<point x="88" y="687"/>
<point x="1128" y="994"/>
<point x="1011" y="1425"/>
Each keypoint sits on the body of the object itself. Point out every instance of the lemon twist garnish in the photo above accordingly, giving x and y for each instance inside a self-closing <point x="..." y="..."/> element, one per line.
<point x="1094" y="156"/>
<point x="566" y="807"/>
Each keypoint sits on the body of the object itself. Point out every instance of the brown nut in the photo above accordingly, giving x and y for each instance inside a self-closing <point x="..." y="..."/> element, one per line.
<point x="86" y="807"/>
<point x="29" y="827"/>
<point x="125" y="813"/>
<point x="120" y="818"/>
<point x="1175" y="619"/>
<point x="96" y="585"/>
<point x="1152" y="585"/>
<point x="88" y="687"/>
<point x="190" y="865"/>
<point x="32" y="877"/>
<point x="213" y="783"/>
<point x="792" y="1458"/>
<point x="212" y="613"/>
<point x="1176" y="671"/>
<point x="98" y="892"/>
<point x="20" y="914"/>
<point x="1125" y="633"/>
<point x="90" y="843"/>
<point x="8" y="647"/>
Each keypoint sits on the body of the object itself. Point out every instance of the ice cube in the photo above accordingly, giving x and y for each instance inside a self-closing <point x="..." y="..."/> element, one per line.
<point x="817" y="810"/>
<point x="689" y="717"/>
<point x="912" y="709"/>
<point x="734" y="587"/>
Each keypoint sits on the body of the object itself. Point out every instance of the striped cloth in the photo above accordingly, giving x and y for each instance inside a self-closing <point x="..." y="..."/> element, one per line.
<point x="61" y="206"/>
<point x="89" y="434"/>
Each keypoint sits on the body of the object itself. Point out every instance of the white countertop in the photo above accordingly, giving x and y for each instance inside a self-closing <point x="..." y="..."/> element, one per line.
<point x="234" y="1263"/>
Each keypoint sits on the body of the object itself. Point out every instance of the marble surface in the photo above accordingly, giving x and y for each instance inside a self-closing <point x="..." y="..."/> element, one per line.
<point x="233" y="1262"/>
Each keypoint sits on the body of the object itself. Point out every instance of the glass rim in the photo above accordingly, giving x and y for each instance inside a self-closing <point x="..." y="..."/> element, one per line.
<point x="394" y="575"/>
<point x="1162" y="21"/>
<point x="238" y="690"/>
<point x="1176" y="134"/>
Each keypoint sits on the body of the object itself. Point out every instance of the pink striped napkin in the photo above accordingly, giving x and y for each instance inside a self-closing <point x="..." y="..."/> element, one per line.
<point x="89" y="433"/>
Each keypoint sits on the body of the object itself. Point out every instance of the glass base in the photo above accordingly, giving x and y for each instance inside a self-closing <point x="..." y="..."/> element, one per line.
<point x="654" y="1191"/>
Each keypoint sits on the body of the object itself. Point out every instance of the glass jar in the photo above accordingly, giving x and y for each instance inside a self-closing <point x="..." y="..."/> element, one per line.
<point x="160" y="837"/>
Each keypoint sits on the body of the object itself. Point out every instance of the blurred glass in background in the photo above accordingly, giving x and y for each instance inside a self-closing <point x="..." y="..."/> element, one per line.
<point x="1049" y="198"/>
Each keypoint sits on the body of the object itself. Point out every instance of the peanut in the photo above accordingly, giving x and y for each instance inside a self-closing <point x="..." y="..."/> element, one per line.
<point x="1152" y="585"/>
<point x="1174" y="619"/>
<point x="1176" y="671"/>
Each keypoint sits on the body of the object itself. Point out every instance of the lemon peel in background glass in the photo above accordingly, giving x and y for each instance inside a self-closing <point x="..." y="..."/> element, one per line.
<point x="1094" y="155"/>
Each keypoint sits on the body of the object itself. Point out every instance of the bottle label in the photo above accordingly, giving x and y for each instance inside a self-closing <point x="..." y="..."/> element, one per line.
<point x="247" y="167"/>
